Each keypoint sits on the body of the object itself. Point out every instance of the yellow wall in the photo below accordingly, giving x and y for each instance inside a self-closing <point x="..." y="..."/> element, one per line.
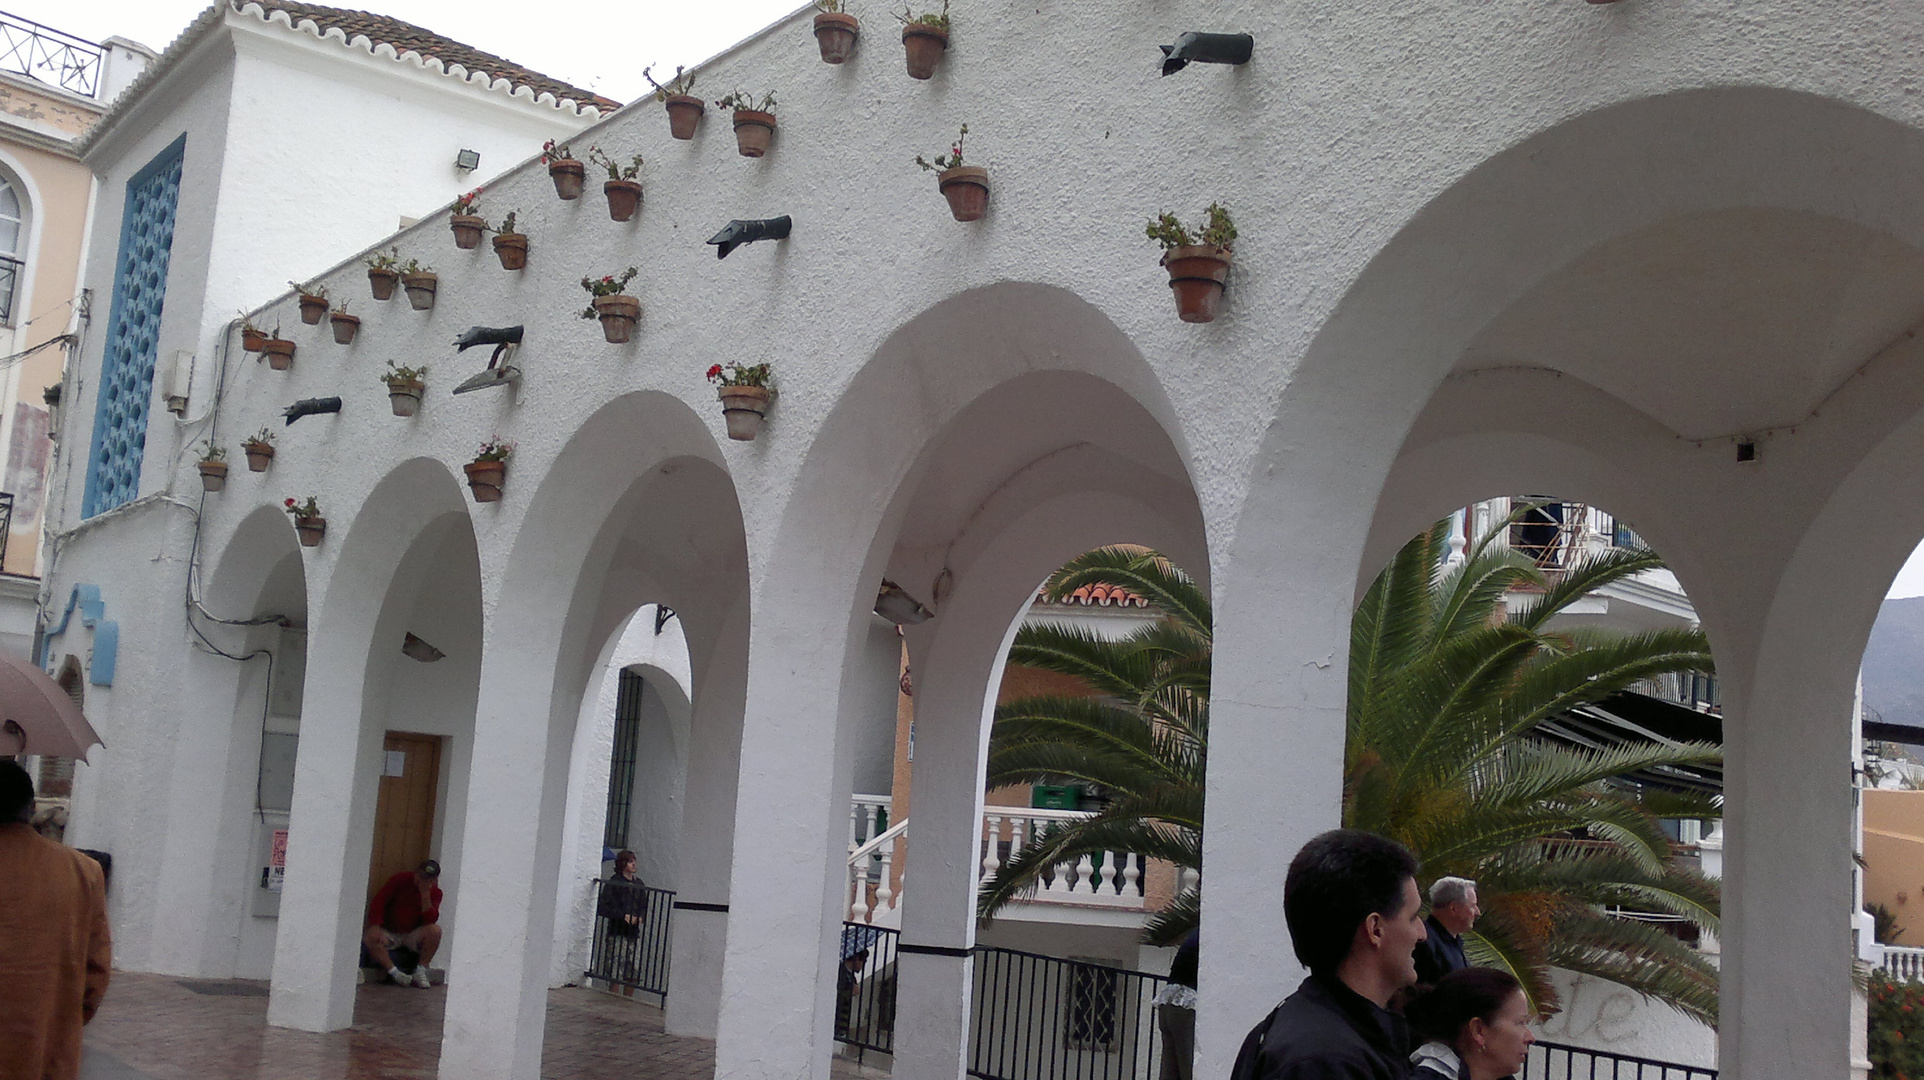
<point x="1894" y="858"/>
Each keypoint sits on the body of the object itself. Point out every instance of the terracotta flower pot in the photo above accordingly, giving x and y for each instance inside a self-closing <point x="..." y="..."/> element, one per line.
<point x="624" y="198"/>
<point x="382" y="282"/>
<point x="310" y="530"/>
<point x="754" y="130"/>
<point x="967" y="189"/>
<point x="279" y="353"/>
<point x="420" y="289"/>
<point x="253" y="340"/>
<point x="743" y="408"/>
<point x="835" y="33"/>
<point x="258" y="455"/>
<point x="512" y="250"/>
<point x="567" y="174"/>
<point x="618" y="314"/>
<point x="404" y="395"/>
<point x="684" y="113"/>
<point x="467" y="230"/>
<point x="213" y="475"/>
<point x="485" y="479"/>
<point x="1196" y="274"/>
<point x="924" y="45"/>
<point x="312" y="308"/>
<point x="345" y="326"/>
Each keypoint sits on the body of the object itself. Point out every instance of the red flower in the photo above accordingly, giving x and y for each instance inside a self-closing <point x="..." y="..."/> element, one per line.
<point x="290" y="502"/>
<point x="714" y="372"/>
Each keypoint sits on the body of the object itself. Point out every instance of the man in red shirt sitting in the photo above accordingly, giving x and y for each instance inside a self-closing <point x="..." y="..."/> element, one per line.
<point x="406" y="913"/>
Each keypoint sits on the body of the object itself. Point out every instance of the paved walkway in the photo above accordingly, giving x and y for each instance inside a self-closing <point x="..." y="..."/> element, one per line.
<point x="152" y="1027"/>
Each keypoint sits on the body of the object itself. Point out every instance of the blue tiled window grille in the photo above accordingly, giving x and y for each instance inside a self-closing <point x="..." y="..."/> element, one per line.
<point x="133" y="332"/>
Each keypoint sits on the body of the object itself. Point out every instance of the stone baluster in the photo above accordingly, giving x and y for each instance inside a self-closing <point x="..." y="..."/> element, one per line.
<point x="1085" y="874"/>
<point x="885" y="888"/>
<point x="1131" y="874"/>
<point x="991" y="835"/>
<point x="858" y="909"/>
<point x="1106" y="877"/>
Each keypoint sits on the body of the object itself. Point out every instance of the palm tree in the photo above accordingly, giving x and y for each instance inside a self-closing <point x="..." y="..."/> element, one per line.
<point x="1447" y="691"/>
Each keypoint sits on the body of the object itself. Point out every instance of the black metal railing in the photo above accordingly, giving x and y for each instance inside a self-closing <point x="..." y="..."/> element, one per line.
<point x="50" y="56"/>
<point x="10" y="268"/>
<point x="6" y="523"/>
<point x="634" y="954"/>
<point x="865" y="988"/>
<point x="1555" y="1061"/>
<point x="1044" y="1018"/>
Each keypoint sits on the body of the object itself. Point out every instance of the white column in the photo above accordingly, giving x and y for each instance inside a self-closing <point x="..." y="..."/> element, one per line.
<point x="329" y="842"/>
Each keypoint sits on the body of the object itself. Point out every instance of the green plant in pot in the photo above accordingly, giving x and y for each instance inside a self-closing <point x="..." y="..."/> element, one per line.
<point x="213" y="467"/>
<point x="621" y="187"/>
<point x="617" y="311"/>
<point x="684" y="108"/>
<point x="489" y="470"/>
<point x="746" y="390"/>
<point x="835" y="30"/>
<point x="345" y="326"/>
<point x="420" y="283"/>
<point x="754" y="121"/>
<point x="259" y="448"/>
<point x="510" y="246"/>
<point x="1197" y="260"/>
<point x="309" y="525"/>
<point x="382" y="276"/>
<point x="465" y="223"/>
<point x="925" y="39"/>
<point x="405" y="385"/>
<point x="313" y="302"/>
<point x="564" y="169"/>
<point x="966" y="187"/>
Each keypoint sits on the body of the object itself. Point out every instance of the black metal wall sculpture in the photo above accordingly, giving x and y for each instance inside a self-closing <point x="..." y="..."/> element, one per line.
<point x="740" y="231"/>
<point x="1199" y="48"/>
<point x="313" y="406"/>
<point x="501" y="369"/>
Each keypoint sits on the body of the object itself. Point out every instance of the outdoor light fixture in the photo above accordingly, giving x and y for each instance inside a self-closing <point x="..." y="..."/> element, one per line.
<point x="739" y="232"/>
<point x="467" y="160"/>
<point x="416" y="649"/>
<point x="1200" y="48"/>
<point x="313" y="406"/>
<point x="899" y="607"/>
<point x="662" y="614"/>
<point x="51" y="395"/>
<point x="501" y="369"/>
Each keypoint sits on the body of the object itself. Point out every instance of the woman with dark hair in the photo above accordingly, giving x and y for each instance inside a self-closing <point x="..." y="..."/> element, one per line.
<point x="1475" y="1024"/>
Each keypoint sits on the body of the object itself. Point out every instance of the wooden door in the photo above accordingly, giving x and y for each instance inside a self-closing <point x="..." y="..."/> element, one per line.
<point x="404" y="815"/>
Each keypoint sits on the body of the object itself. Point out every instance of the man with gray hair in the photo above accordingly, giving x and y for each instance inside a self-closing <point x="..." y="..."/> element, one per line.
<point x="1453" y="910"/>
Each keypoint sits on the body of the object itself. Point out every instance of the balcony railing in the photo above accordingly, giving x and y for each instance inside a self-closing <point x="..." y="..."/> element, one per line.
<point x="50" y="56"/>
<point x="1903" y="963"/>
<point x="10" y="270"/>
<point x="1555" y="1061"/>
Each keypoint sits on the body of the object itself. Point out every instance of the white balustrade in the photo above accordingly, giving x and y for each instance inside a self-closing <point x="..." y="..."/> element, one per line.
<point x="876" y="887"/>
<point x="1904" y="963"/>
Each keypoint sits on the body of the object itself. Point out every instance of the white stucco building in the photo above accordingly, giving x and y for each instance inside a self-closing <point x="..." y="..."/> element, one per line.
<point x="1661" y="257"/>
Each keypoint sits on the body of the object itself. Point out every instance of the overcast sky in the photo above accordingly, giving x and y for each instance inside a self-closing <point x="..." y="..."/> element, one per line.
<point x="602" y="47"/>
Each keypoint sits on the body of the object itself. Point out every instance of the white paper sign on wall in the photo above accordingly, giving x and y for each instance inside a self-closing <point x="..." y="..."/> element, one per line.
<point x="397" y="761"/>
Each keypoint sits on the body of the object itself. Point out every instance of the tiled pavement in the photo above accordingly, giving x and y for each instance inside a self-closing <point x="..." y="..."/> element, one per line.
<point x="152" y="1027"/>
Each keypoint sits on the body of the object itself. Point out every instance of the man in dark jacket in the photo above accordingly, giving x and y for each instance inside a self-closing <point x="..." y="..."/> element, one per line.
<point x="1354" y="919"/>
<point x="1453" y="910"/>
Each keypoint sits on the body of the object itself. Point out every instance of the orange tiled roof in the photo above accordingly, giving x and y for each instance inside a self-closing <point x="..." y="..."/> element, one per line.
<point x="1101" y="596"/>
<point x="405" y="37"/>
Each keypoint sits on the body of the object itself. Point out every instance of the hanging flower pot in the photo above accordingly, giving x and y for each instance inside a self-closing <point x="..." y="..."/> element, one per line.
<point x="1196" y="274"/>
<point x="313" y="306"/>
<point x="924" y="39"/>
<point x="624" y="198"/>
<point x="467" y="230"/>
<point x="743" y="409"/>
<point x="381" y="282"/>
<point x="253" y="339"/>
<point x="754" y="130"/>
<point x="618" y="314"/>
<point x="967" y="189"/>
<point x="512" y="250"/>
<point x="279" y="353"/>
<point x="310" y="530"/>
<point x="345" y="325"/>
<point x="566" y="172"/>
<point x="405" y="386"/>
<point x="485" y="479"/>
<point x="213" y="474"/>
<point x="745" y="393"/>
<point x="259" y="451"/>
<point x="835" y="32"/>
<point x="684" y="108"/>
<point x="420" y="289"/>
<point x="1197" y="260"/>
<point x="489" y="469"/>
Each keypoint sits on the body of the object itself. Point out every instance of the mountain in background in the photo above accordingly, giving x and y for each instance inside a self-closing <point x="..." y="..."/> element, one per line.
<point x="1894" y="662"/>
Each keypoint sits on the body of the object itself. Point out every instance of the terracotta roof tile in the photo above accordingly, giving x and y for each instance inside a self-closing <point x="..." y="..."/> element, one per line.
<point x="405" y="36"/>
<point x="1103" y="596"/>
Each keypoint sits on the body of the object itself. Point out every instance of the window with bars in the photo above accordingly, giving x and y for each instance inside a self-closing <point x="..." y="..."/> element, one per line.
<point x="1092" y="1007"/>
<point x="133" y="333"/>
<point x="621" y="765"/>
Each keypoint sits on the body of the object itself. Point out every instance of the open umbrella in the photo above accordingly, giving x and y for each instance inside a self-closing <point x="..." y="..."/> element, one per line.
<point x="37" y="716"/>
<point x="858" y="939"/>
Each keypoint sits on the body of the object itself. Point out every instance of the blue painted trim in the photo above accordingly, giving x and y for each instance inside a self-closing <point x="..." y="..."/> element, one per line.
<point x="106" y="649"/>
<point x="97" y="497"/>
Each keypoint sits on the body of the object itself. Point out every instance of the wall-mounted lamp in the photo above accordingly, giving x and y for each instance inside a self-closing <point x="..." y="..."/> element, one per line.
<point x="467" y="160"/>
<point x="416" y="649"/>
<point x="501" y="369"/>
<point x="899" y="607"/>
<point x="313" y="406"/>
<point x="51" y="395"/>
<point x="1746" y="452"/>
<point x="662" y="614"/>
<point x="740" y="231"/>
<point x="175" y="378"/>
<point x="1199" y="48"/>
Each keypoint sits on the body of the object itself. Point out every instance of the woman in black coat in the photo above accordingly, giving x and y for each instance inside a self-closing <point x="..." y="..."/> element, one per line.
<point x="1475" y="1024"/>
